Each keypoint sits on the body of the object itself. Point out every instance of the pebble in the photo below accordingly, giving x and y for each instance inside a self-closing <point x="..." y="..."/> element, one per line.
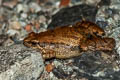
<point x="49" y="67"/>
<point x="23" y="23"/>
<point x="51" y="75"/>
<point x="15" y="25"/>
<point x="12" y="32"/>
<point x="115" y="4"/>
<point x="42" y="19"/>
<point x="24" y="15"/>
<point x="28" y="27"/>
<point x="35" y="7"/>
<point x="19" y="8"/>
<point x="22" y="8"/>
<point x="116" y="17"/>
<point x="92" y="2"/>
<point x="57" y="63"/>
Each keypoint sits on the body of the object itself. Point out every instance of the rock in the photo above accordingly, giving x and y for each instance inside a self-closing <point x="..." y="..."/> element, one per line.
<point x="24" y="15"/>
<point x="15" y="25"/>
<point x="20" y="63"/>
<point x="12" y="32"/>
<point x="42" y="19"/>
<point x="71" y="15"/>
<point x="22" y="8"/>
<point x="91" y="65"/>
<point x="92" y="2"/>
<point x="35" y="7"/>
<point x="105" y="2"/>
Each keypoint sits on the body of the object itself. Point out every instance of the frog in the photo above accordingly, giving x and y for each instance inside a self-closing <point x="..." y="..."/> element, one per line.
<point x="69" y="41"/>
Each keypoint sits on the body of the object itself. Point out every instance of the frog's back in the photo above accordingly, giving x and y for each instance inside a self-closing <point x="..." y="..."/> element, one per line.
<point x="64" y="35"/>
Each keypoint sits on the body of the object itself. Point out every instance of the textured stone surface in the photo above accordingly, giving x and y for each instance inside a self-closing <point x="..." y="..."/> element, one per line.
<point x="20" y="63"/>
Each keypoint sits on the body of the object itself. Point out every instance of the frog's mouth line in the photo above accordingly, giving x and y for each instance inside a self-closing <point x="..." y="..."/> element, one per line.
<point x="30" y="44"/>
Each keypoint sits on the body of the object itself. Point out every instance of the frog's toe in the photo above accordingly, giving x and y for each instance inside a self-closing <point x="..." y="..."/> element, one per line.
<point x="48" y="55"/>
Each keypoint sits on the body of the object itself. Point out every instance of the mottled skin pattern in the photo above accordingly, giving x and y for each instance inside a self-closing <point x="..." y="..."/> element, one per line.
<point x="66" y="42"/>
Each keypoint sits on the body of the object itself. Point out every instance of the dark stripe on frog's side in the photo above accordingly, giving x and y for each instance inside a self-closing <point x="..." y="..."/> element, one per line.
<point x="57" y="45"/>
<point x="72" y="37"/>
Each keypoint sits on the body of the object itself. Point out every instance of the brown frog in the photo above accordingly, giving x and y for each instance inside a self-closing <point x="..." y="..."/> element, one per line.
<point x="66" y="42"/>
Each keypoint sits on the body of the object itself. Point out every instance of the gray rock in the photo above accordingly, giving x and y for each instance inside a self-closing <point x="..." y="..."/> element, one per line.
<point x="71" y="15"/>
<point x="36" y="8"/>
<point x="20" y="63"/>
<point x="22" y="8"/>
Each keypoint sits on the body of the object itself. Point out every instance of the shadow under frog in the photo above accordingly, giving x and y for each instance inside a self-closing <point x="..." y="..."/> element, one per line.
<point x="66" y="42"/>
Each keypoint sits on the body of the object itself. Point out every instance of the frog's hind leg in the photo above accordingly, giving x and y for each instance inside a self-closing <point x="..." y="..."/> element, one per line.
<point x="47" y="53"/>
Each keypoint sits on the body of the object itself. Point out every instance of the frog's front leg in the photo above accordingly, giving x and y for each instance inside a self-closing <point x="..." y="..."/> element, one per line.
<point x="46" y="54"/>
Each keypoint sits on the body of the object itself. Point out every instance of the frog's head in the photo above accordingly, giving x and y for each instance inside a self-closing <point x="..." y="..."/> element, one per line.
<point x="91" y="28"/>
<point x="31" y="40"/>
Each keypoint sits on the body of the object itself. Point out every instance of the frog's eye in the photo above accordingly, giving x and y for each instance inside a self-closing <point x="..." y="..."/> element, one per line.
<point x="31" y="34"/>
<point x="100" y="34"/>
<point x="33" y="43"/>
<point x="103" y="34"/>
<point x="89" y="36"/>
<point x="96" y="33"/>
